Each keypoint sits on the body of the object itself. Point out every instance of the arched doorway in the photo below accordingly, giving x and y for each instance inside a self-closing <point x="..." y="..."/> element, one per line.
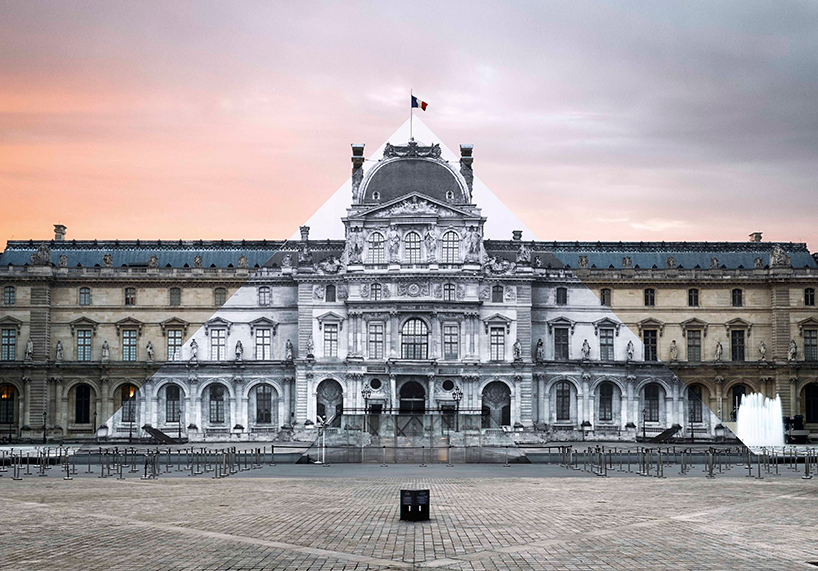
<point x="412" y="398"/>
<point x="8" y="405"/>
<point x="82" y="404"/>
<point x="496" y="405"/>
<point x="695" y="410"/>
<point x="330" y="401"/>
<point x="811" y="402"/>
<point x="736" y="392"/>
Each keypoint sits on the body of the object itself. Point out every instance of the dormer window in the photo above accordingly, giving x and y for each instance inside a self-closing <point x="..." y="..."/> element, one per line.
<point x="376" y="195"/>
<point x="449" y="195"/>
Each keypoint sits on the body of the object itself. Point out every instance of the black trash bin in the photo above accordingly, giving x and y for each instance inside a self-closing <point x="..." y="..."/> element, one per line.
<point x="414" y="505"/>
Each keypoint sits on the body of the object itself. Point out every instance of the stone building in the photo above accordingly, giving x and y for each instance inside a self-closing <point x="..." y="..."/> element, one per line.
<point x="416" y="313"/>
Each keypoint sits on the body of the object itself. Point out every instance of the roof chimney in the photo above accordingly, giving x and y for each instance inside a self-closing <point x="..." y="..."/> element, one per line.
<point x="466" y="161"/>
<point x="755" y="237"/>
<point x="305" y="233"/>
<point x="357" y="167"/>
<point x="59" y="232"/>
<point x="517" y="235"/>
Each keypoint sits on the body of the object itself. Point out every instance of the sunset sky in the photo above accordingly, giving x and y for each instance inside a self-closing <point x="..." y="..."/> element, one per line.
<point x="591" y="121"/>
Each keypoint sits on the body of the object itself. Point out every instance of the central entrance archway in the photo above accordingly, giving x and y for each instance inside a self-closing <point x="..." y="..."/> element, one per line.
<point x="412" y="398"/>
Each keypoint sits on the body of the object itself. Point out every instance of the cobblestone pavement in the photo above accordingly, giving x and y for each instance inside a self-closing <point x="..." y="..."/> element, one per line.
<point x="479" y="522"/>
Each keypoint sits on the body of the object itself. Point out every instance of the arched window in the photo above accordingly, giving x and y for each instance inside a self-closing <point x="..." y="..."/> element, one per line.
<point x="330" y="294"/>
<point x="694" y="403"/>
<point x="375" y="292"/>
<point x="736" y="394"/>
<point x="449" y="292"/>
<point x="652" y="403"/>
<point x="264" y="404"/>
<point x="82" y="404"/>
<point x="411" y="244"/>
<point x="7" y="403"/>
<point x="811" y="402"/>
<point x="562" y="296"/>
<point x="414" y="339"/>
<point x="497" y="294"/>
<point x="264" y="295"/>
<point x="216" y="404"/>
<point x="736" y="298"/>
<point x="606" y="401"/>
<point x="563" y="401"/>
<point x="9" y="295"/>
<point x="175" y="296"/>
<point x="128" y="396"/>
<point x="85" y="296"/>
<point x="219" y="296"/>
<point x="376" y="254"/>
<point x="809" y="296"/>
<point x="173" y="408"/>
<point x="451" y="248"/>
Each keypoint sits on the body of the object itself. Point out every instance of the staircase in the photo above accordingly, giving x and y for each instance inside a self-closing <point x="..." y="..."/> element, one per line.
<point x="666" y="435"/>
<point x="159" y="436"/>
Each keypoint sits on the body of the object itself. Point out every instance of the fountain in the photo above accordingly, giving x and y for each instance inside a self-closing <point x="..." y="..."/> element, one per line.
<point x="759" y="421"/>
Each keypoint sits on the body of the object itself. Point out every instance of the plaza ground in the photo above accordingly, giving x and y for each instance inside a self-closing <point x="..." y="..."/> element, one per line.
<point x="346" y="517"/>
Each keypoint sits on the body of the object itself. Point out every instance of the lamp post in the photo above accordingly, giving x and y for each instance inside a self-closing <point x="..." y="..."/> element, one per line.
<point x="457" y="394"/>
<point x="45" y="416"/>
<point x="366" y="392"/>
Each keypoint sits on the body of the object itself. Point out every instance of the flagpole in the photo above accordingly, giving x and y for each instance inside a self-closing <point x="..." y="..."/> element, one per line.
<point x="411" y="114"/>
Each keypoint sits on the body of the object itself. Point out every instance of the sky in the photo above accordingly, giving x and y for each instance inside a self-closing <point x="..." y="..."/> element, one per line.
<point x="590" y="120"/>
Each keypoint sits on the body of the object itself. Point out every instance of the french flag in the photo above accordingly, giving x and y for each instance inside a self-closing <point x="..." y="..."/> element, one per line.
<point x="422" y="104"/>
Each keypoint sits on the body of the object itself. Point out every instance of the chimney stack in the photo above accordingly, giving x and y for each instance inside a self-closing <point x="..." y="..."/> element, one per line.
<point x="305" y="233"/>
<point x="516" y="235"/>
<point x="59" y="232"/>
<point x="357" y="167"/>
<point x="755" y="237"/>
<point x="466" y="161"/>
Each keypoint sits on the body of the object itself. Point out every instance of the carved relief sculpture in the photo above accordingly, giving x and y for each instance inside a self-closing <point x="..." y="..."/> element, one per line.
<point x="153" y="262"/>
<point x="197" y="261"/>
<point x="194" y="351"/>
<point x="582" y="263"/>
<point x="108" y="260"/>
<point x="523" y="255"/>
<point x="473" y="243"/>
<point x="42" y="257"/>
<point x="393" y="240"/>
<point x="243" y="261"/>
<point x="239" y="351"/>
<point x="779" y="258"/>
<point x="63" y="261"/>
<point x="310" y="347"/>
<point x="627" y="263"/>
<point x="431" y="244"/>
<point x="58" y="352"/>
<point x="29" y="354"/>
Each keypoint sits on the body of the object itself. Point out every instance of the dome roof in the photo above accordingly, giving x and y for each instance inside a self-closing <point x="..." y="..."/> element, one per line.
<point x="401" y="176"/>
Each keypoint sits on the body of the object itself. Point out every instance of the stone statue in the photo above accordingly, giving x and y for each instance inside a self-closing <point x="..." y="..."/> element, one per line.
<point x="627" y="263"/>
<point x="537" y="262"/>
<point x="523" y="254"/>
<point x="714" y="263"/>
<point x="719" y="351"/>
<point x="472" y="240"/>
<point x="304" y="254"/>
<point x="540" y="351"/>
<point x="792" y="352"/>
<point x="310" y="347"/>
<point x="762" y="351"/>
<point x="58" y="356"/>
<point x="42" y="257"/>
<point x="149" y="351"/>
<point x="393" y="241"/>
<point x="29" y="350"/>
<point x="630" y="350"/>
<point x="759" y="264"/>
<point x="194" y="351"/>
<point x="289" y="350"/>
<point x="517" y="348"/>
<point x="108" y="260"/>
<point x="674" y="351"/>
<point x="331" y="265"/>
<point x="586" y="350"/>
<point x="239" y="351"/>
<point x="63" y="261"/>
<point x="242" y="261"/>
<point x="287" y="262"/>
<point x="582" y="263"/>
<point x="431" y="244"/>
<point x="153" y="262"/>
<point x="106" y="352"/>
<point x="670" y="263"/>
<point x="355" y="245"/>
<point x="779" y="258"/>
<point x="197" y="261"/>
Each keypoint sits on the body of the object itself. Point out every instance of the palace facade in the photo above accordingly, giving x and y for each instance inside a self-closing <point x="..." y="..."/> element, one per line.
<point x="414" y="313"/>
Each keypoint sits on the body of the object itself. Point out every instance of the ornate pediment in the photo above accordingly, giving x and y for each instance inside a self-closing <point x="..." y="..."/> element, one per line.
<point x="561" y="322"/>
<point x="694" y="323"/>
<point x="651" y="323"/>
<point x="9" y="321"/>
<point x="174" y="323"/>
<point x="606" y="322"/>
<point x="263" y="323"/>
<point x="330" y="317"/>
<point x="412" y="149"/>
<point x="498" y="319"/>
<point x="129" y="323"/>
<point x="84" y="323"/>
<point x="808" y="323"/>
<point x="217" y="322"/>
<point x="415" y="204"/>
<point x="738" y="323"/>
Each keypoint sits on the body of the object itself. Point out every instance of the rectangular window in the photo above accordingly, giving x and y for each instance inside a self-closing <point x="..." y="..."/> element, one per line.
<point x="605" y="297"/>
<point x="497" y="341"/>
<point x="83" y="344"/>
<point x="8" y="348"/>
<point x="129" y="345"/>
<point x="737" y="298"/>
<point x="175" y="296"/>
<point x="450" y="342"/>
<point x="9" y="295"/>
<point x="85" y="296"/>
<point x="376" y="340"/>
<point x="330" y="340"/>
<point x="562" y="296"/>
<point x="694" y="346"/>
<point x="650" y="297"/>
<point x="693" y="297"/>
<point x="218" y="344"/>
<point x="497" y="294"/>
<point x="264" y="344"/>
<point x="809" y="296"/>
<point x="811" y="345"/>
<point x="561" y="343"/>
<point x="174" y="344"/>
<point x="606" y="344"/>
<point x="130" y="296"/>
<point x="563" y="401"/>
<point x="649" y="338"/>
<point x="737" y="344"/>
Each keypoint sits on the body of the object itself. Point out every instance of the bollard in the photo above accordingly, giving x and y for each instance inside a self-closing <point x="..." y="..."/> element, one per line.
<point x="710" y="462"/>
<point x="506" y="465"/>
<point x="806" y="475"/>
<point x="16" y="467"/>
<point x="758" y="464"/>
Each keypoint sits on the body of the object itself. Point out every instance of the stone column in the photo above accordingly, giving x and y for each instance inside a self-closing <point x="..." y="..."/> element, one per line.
<point x="475" y="343"/>
<point x="350" y="335"/>
<point x="431" y="398"/>
<point x="393" y="384"/>
<point x="435" y="352"/>
<point x="394" y="333"/>
<point x="287" y="401"/>
<point x="546" y="402"/>
<point x="535" y="398"/>
<point x="794" y="398"/>
<point x="26" y="421"/>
